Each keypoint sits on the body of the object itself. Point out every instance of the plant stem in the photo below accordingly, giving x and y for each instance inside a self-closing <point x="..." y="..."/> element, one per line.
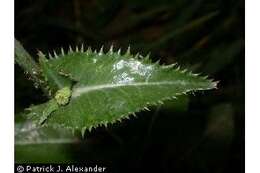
<point x="27" y="63"/>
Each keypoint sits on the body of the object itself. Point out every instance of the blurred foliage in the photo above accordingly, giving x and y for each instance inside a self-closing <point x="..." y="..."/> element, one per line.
<point x="194" y="134"/>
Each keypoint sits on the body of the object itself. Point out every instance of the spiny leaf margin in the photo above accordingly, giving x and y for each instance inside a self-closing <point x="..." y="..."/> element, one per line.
<point x="146" y="59"/>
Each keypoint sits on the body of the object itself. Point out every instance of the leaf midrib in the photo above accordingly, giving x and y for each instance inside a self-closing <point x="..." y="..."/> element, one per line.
<point x="50" y="141"/>
<point x="78" y="91"/>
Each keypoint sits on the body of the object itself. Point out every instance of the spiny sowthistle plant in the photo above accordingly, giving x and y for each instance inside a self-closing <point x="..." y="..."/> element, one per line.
<point x="89" y="88"/>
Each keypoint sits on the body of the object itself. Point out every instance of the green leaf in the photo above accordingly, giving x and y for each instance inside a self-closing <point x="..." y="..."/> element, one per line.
<point x="26" y="133"/>
<point x="42" y="144"/>
<point x="109" y="87"/>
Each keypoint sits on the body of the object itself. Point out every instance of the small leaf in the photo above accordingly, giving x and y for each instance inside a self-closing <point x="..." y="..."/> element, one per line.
<point x="55" y="81"/>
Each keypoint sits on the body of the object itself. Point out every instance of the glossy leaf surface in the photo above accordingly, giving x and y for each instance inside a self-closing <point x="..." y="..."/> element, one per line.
<point x="108" y="87"/>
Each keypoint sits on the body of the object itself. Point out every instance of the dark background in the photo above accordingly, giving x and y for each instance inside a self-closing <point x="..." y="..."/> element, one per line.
<point x="197" y="133"/>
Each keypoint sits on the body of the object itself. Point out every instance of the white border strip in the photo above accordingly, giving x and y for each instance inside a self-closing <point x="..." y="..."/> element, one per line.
<point x="7" y="86"/>
<point x="252" y="86"/>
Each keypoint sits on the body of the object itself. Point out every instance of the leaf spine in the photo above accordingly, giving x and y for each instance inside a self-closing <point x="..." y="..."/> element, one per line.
<point x="111" y="49"/>
<point x="89" y="50"/>
<point x="50" y="56"/>
<point x="101" y="51"/>
<point x="83" y="131"/>
<point x="62" y="52"/>
<point x="70" y="49"/>
<point x="55" y="54"/>
<point x="128" y="52"/>
<point x="82" y="48"/>
<point x="119" y="51"/>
